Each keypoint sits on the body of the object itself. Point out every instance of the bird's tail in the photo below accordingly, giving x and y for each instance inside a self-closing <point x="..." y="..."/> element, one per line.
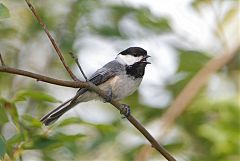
<point x="53" y="115"/>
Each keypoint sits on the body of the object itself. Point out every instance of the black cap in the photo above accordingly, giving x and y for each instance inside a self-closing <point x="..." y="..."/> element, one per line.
<point x="134" y="51"/>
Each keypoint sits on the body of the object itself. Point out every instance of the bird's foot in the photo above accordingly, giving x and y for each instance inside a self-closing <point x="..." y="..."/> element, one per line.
<point x="125" y="110"/>
<point x="108" y="97"/>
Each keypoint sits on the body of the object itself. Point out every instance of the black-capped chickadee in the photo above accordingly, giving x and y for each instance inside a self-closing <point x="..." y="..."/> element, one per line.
<point x="118" y="78"/>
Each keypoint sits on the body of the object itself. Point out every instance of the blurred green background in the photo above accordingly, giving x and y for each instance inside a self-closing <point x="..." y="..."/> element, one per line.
<point x="180" y="35"/>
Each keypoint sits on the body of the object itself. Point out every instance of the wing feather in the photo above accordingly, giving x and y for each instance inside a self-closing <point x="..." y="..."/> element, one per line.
<point x="108" y="71"/>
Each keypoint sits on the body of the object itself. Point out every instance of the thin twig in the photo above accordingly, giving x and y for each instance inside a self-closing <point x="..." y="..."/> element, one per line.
<point x="1" y="59"/>
<point x="78" y="64"/>
<point x="92" y="87"/>
<point x="57" y="49"/>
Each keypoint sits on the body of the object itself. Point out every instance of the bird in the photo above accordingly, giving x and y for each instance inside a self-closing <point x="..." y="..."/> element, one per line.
<point x="119" y="78"/>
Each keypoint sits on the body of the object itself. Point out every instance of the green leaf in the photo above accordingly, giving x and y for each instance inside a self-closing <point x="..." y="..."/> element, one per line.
<point x="152" y="22"/>
<point x="3" y="100"/>
<point x="118" y="12"/>
<point x="41" y="142"/>
<point x="217" y="128"/>
<point x="3" y="115"/>
<point x="191" y="61"/>
<point x="17" y="138"/>
<point x="4" y="12"/>
<point x="31" y="122"/>
<point x="2" y="147"/>
<point x="7" y="32"/>
<point x="51" y="142"/>
<point x="230" y="15"/>
<point x="197" y="4"/>
<point x="177" y="87"/>
<point x="12" y="142"/>
<point x="12" y="110"/>
<point x="36" y="95"/>
<point x="14" y="113"/>
<point x="67" y="138"/>
<point x="108" y="31"/>
<point x="70" y="121"/>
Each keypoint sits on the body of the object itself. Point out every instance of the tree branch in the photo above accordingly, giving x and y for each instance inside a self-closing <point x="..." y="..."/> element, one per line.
<point x="38" y="77"/>
<point x="92" y="87"/>
<point x="57" y="49"/>
<point x="79" y="84"/>
<point x="188" y="93"/>
<point x="192" y="88"/>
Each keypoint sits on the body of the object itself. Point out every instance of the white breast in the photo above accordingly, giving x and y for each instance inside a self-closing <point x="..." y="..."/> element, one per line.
<point x="123" y="86"/>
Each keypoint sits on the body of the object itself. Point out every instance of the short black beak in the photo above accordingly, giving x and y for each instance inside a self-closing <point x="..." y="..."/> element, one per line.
<point x="147" y="56"/>
<point x="144" y="59"/>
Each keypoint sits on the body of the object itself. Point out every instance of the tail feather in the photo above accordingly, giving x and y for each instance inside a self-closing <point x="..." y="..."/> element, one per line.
<point x="53" y="115"/>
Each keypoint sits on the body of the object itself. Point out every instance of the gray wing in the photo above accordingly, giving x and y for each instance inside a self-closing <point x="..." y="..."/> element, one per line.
<point x="108" y="71"/>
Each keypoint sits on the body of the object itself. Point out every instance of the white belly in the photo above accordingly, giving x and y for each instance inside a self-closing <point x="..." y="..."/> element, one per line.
<point x="121" y="86"/>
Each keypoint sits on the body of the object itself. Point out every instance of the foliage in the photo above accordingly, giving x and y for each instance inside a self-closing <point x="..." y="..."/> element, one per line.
<point x="4" y="12"/>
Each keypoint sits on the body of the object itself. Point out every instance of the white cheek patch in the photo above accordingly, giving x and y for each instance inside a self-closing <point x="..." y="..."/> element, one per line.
<point x="128" y="59"/>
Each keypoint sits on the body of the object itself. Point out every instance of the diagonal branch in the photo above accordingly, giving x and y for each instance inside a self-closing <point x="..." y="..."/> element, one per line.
<point x="187" y="94"/>
<point x="78" y="84"/>
<point x="192" y="88"/>
<point x="92" y="87"/>
<point x="57" y="49"/>
<point x="151" y="139"/>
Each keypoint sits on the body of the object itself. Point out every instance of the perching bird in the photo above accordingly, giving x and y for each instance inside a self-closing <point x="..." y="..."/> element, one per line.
<point x="118" y="78"/>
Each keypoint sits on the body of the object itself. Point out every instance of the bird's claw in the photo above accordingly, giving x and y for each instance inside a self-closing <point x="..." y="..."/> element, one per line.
<point x="125" y="110"/>
<point x="108" y="97"/>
